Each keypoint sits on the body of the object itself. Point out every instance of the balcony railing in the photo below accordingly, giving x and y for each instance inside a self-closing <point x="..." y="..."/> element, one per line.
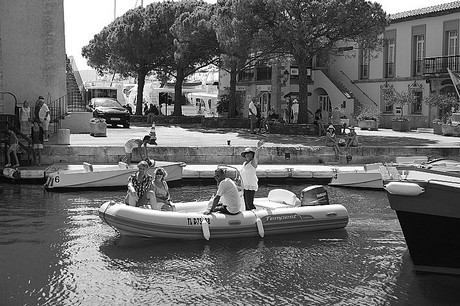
<point x="437" y="65"/>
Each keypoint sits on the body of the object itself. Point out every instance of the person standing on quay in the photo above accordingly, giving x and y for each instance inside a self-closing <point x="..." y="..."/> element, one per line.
<point x="252" y="115"/>
<point x="295" y="111"/>
<point x="249" y="176"/>
<point x="26" y="118"/>
<point x="36" y="134"/>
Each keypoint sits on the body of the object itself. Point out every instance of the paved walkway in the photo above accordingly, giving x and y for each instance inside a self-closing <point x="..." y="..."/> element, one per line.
<point x="183" y="136"/>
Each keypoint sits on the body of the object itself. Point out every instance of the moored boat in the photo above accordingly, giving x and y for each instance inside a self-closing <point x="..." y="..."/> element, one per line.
<point x="281" y="212"/>
<point x="426" y="202"/>
<point x="98" y="176"/>
<point x="369" y="176"/>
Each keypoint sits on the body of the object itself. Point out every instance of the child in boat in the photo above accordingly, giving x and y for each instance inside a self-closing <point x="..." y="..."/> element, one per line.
<point x="12" y="149"/>
<point x="248" y="175"/>
<point x="162" y="196"/>
<point x="140" y="188"/>
<point x="136" y="143"/>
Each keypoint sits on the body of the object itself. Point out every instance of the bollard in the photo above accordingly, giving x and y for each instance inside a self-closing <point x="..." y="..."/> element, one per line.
<point x="63" y="136"/>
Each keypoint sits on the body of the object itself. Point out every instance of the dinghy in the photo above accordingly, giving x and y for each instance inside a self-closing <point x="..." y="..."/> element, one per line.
<point x="98" y="176"/>
<point x="281" y="212"/>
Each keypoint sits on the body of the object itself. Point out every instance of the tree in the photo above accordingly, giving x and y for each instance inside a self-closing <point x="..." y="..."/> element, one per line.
<point x="132" y="45"/>
<point x="305" y="28"/>
<point x="238" y="34"/>
<point x="400" y="99"/>
<point x="443" y="102"/>
<point x="191" y="43"/>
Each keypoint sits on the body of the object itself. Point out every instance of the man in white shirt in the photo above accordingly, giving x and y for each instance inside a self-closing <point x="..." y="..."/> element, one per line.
<point x="252" y="115"/>
<point x="227" y="195"/>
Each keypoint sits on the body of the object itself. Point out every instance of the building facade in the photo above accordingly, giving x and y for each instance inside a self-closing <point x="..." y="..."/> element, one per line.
<point x="417" y="49"/>
<point x="32" y="52"/>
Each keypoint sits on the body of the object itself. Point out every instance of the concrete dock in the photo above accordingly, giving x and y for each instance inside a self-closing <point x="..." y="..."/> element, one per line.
<point x="196" y="145"/>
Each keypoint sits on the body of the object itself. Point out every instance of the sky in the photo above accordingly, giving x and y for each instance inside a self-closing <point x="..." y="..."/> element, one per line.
<point x="85" y="18"/>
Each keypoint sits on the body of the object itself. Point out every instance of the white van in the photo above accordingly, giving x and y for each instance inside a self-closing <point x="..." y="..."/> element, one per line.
<point x="205" y="103"/>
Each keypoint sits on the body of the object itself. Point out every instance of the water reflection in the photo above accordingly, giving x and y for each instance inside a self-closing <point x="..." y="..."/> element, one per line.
<point x="54" y="250"/>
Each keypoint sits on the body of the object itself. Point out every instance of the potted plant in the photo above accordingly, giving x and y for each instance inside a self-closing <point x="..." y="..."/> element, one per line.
<point x="452" y="126"/>
<point x="98" y="127"/>
<point x="400" y="123"/>
<point x="368" y="118"/>
<point x="437" y="126"/>
<point x="443" y="103"/>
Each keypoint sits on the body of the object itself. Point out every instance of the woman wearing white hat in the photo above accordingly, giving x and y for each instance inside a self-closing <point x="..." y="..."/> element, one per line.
<point x="249" y="176"/>
<point x="331" y="140"/>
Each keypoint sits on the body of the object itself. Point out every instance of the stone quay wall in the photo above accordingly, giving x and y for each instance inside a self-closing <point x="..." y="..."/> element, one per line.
<point x="231" y="154"/>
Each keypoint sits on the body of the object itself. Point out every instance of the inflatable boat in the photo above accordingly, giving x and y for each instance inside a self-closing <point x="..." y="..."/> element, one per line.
<point x="281" y="212"/>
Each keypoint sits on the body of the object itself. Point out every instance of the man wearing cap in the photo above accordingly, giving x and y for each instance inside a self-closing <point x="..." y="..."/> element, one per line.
<point x="227" y="195"/>
<point x="249" y="176"/>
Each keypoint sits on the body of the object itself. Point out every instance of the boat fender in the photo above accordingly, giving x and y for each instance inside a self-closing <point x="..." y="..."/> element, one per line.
<point x="260" y="227"/>
<point x="404" y="188"/>
<point x="9" y="172"/>
<point x="205" y="228"/>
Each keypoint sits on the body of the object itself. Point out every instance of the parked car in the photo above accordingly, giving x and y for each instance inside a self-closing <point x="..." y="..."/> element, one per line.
<point x="111" y="110"/>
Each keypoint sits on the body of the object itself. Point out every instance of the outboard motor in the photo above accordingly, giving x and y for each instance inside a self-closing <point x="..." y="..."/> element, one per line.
<point x="314" y="195"/>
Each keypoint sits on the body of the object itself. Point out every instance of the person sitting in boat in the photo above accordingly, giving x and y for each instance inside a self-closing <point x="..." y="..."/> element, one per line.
<point x="352" y="138"/>
<point x="136" y="143"/>
<point x="162" y="196"/>
<point x="140" y="188"/>
<point x="227" y="199"/>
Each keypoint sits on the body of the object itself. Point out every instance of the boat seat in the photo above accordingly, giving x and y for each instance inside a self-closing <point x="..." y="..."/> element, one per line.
<point x="122" y="165"/>
<point x="374" y="166"/>
<point x="283" y="196"/>
<point x="88" y="167"/>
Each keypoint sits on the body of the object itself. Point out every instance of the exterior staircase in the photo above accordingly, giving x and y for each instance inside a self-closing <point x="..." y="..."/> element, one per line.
<point x="74" y="96"/>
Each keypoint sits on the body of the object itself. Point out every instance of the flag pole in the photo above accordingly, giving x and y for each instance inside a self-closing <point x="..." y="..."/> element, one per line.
<point x="455" y="81"/>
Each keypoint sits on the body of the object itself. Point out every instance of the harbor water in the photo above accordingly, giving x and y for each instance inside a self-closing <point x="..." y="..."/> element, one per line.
<point x="54" y="250"/>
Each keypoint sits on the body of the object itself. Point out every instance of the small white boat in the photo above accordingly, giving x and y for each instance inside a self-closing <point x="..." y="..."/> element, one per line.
<point x="97" y="176"/>
<point x="279" y="213"/>
<point x="369" y="175"/>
